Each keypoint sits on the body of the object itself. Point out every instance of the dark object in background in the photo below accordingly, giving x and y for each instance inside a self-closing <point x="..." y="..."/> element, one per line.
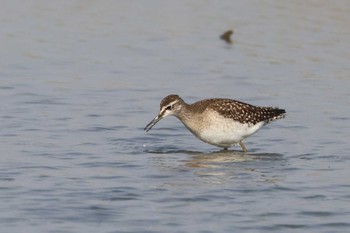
<point x="227" y="36"/>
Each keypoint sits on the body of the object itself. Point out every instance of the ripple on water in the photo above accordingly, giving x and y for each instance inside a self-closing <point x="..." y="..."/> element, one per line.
<point x="123" y="194"/>
<point x="103" y="129"/>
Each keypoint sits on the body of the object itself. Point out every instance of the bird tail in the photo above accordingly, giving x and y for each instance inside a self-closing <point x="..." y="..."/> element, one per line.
<point x="276" y="114"/>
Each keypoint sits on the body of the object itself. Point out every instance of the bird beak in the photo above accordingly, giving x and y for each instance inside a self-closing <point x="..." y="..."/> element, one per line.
<point x="153" y="122"/>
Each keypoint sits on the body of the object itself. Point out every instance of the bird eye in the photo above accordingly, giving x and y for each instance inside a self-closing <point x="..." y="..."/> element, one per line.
<point x="168" y="108"/>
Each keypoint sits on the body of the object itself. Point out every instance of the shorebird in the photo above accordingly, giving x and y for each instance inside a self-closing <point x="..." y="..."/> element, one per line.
<point x="219" y="122"/>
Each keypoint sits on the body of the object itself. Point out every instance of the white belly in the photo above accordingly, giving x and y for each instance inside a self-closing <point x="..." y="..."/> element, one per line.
<point x="225" y="132"/>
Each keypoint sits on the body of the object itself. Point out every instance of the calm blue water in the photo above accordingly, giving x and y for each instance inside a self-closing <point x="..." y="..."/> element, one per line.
<point x="81" y="79"/>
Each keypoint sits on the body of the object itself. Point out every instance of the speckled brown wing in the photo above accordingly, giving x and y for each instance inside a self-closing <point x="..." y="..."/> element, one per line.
<point x="245" y="113"/>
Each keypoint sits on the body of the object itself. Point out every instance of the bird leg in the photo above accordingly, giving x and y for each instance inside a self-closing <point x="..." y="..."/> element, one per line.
<point x="243" y="147"/>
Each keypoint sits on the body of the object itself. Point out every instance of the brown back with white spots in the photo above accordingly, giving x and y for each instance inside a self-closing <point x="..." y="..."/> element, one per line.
<point x="239" y="111"/>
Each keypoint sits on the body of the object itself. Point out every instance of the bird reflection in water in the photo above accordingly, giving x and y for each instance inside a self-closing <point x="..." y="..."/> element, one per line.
<point x="219" y="158"/>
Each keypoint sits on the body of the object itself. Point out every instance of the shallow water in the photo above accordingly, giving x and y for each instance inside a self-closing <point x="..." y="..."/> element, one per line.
<point x="81" y="79"/>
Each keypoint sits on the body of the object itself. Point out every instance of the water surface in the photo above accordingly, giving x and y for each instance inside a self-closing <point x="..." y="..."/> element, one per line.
<point x="81" y="79"/>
